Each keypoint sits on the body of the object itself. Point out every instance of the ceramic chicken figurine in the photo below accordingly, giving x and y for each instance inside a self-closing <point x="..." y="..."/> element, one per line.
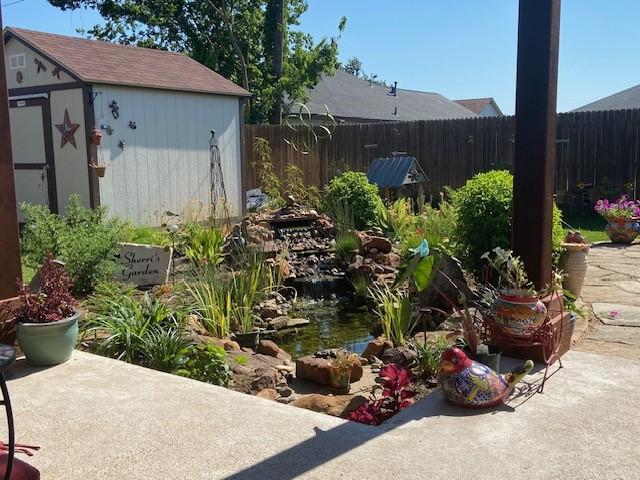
<point x="470" y="384"/>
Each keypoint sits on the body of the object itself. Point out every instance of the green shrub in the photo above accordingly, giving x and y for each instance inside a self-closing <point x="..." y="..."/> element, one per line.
<point x="207" y="363"/>
<point x="84" y="239"/>
<point x="484" y="210"/>
<point x="269" y="181"/>
<point x="346" y="244"/>
<point x="354" y="189"/>
<point x="166" y="348"/>
<point x="204" y="246"/>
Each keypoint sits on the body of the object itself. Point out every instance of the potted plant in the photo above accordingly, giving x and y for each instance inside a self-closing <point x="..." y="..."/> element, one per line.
<point x="245" y="333"/>
<point x="47" y="321"/>
<point x="622" y="216"/>
<point x="575" y="262"/>
<point x="518" y="307"/>
<point x="340" y="370"/>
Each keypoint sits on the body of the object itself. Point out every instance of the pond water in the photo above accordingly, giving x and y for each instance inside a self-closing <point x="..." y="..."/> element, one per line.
<point x="334" y="324"/>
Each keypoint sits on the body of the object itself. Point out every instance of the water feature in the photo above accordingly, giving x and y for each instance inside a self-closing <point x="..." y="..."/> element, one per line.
<point x="335" y="323"/>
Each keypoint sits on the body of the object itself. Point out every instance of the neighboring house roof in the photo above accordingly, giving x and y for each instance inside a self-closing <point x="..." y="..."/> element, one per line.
<point x="477" y="105"/>
<point x="110" y="63"/>
<point x="629" y="98"/>
<point x="395" y="171"/>
<point x="347" y="96"/>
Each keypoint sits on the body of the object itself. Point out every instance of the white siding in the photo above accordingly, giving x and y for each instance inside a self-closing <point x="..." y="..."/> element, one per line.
<point x="165" y="161"/>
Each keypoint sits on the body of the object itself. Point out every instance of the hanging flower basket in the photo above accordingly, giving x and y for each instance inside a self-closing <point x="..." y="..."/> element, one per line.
<point x="100" y="169"/>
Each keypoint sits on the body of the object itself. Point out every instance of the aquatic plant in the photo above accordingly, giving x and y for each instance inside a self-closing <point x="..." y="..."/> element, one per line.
<point x="393" y="308"/>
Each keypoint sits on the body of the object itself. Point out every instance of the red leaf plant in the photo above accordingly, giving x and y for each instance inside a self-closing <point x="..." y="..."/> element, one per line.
<point x="395" y="397"/>
<point x="51" y="303"/>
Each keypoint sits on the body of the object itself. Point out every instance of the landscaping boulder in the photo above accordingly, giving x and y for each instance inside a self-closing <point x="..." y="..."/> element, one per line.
<point x="267" y="394"/>
<point x="403" y="356"/>
<point x="268" y="347"/>
<point x="336" y="405"/>
<point x="277" y="323"/>
<point x="376" y="245"/>
<point x="376" y="347"/>
<point x="262" y="378"/>
<point x="269" y="309"/>
<point x="317" y="370"/>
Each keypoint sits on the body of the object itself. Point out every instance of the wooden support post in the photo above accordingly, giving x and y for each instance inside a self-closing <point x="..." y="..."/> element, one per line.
<point x="535" y="135"/>
<point x="10" y="269"/>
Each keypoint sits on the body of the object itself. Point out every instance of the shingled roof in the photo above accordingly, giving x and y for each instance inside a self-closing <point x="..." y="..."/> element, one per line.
<point x="477" y="105"/>
<point x="95" y="61"/>
<point x="349" y="97"/>
<point x="626" y="99"/>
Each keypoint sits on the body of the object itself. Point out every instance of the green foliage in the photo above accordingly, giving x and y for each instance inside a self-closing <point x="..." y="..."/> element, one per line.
<point x="354" y="189"/>
<point x="204" y="247"/>
<point x="438" y="226"/>
<point x="341" y="212"/>
<point x="84" y="239"/>
<point x="165" y="349"/>
<point x="393" y="308"/>
<point x="207" y="363"/>
<point x="397" y="220"/>
<point x="360" y="286"/>
<point x="149" y="236"/>
<point x="211" y="301"/>
<point x="294" y="184"/>
<point x="429" y="353"/>
<point x="484" y="206"/>
<point x="234" y="39"/>
<point x="346" y="244"/>
<point x="269" y="181"/>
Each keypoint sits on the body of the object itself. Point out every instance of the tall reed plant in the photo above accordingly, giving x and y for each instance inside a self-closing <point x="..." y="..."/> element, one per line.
<point x="393" y="308"/>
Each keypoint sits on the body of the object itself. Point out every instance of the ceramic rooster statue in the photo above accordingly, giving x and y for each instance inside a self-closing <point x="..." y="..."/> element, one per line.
<point x="473" y="385"/>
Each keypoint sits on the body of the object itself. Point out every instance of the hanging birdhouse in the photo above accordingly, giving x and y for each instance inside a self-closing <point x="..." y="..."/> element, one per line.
<point x="96" y="136"/>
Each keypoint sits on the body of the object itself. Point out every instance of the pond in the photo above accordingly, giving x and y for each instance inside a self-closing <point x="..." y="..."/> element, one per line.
<point x="334" y="324"/>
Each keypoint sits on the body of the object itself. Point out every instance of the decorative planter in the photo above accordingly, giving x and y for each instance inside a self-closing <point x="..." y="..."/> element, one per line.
<point x="340" y="378"/>
<point x="623" y="230"/>
<point x="518" y="310"/>
<point x="96" y="136"/>
<point x="100" y="170"/>
<point x="247" y="339"/>
<point x="48" y="343"/>
<point x="575" y="266"/>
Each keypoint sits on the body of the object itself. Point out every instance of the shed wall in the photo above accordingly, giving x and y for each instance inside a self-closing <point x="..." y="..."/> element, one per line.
<point x="164" y="164"/>
<point x="30" y="75"/>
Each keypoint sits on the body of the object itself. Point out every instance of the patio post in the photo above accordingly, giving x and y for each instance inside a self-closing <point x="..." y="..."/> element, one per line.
<point x="9" y="236"/>
<point x="535" y="136"/>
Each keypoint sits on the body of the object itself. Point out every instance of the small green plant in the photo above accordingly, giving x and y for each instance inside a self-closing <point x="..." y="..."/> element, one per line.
<point x="346" y="244"/>
<point x="428" y="355"/>
<point x="165" y="348"/>
<point x="84" y="239"/>
<point x="269" y="181"/>
<point x="294" y="184"/>
<point x="397" y="220"/>
<point x="393" y="308"/>
<point x="206" y="363"/>
<point x="205" y="248"/>
<point x="211" y="301"/>
<point x="344" y="359"/>
<point x="510" y="269"/>
<point x="342" y="213"/>
<point x="354" y="189"/>
<point x="360" y="286"/>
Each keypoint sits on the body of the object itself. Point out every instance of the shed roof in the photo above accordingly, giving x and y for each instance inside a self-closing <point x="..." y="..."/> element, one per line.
<point x="392" y="171"/>
<point x="103" y="62"/>
<point x="626" y="99"/>
<point x="347" y="96"/>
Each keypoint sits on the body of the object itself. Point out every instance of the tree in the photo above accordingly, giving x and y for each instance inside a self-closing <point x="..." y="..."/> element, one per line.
<point x="233" y="37"/>
<point x="353" y="66"/>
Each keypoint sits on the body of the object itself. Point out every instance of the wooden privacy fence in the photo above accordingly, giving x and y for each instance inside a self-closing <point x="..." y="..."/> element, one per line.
<point x="599" y="149"/>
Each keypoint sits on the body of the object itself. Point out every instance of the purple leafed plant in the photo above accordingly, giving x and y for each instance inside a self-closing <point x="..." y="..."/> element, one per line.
<point x="396" y="396"/>
<point x="621" y="208"/>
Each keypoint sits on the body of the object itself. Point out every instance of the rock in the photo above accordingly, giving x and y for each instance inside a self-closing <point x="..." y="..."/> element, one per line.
<point x="402" y="356"/>
<point x="231" y="345"/>
<point x="317" y="370"/>
<point x="376" y="347"/>
<point x="336" y="405"/>
<point x="267" y="394"/>
<point x="379" y="244"/>
<point x="278" y="322"/>
<point x="297" y="322"/>
<point x="247" y="350"/>
<point x="269" y="309"/>
<point x="194" y="324"/>
<point x="364" y="361"/>
<point x="285" y="391"/>
<point x="285" y="368"/>
<point x="284" y="400"/>
<point x="265" y="378"/>
<point x="268" y="347"/>
<point x="241" y="370"/>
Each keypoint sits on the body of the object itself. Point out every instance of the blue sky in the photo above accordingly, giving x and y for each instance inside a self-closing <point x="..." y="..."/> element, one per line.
<point x="461" y="48"/>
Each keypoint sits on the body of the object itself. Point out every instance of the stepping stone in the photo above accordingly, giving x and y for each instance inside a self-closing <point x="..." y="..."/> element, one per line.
<point x="617" y="314"/>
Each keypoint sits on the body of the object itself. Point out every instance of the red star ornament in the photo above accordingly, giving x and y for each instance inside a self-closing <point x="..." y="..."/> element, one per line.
<point x="68" y="130"/>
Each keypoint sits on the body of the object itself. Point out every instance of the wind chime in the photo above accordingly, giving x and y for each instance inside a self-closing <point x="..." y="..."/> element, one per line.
<point x="219" y="206"/>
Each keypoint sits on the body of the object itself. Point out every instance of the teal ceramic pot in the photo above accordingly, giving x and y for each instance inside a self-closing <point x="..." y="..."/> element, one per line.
<point x="48" y="343"/>
<point x="622" y="230"/>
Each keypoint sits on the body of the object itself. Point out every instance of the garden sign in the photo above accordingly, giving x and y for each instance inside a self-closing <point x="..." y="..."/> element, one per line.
<point x="143" y="265"/>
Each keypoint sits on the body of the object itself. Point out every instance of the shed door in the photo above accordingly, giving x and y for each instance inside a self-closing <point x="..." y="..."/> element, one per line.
<point x="32" y="153"/>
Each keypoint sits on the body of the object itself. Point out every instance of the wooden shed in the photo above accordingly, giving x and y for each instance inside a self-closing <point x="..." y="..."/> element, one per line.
<point x="154" y="109"/>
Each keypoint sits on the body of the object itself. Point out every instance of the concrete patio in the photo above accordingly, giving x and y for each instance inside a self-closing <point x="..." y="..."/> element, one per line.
<point x="97" y="418"/>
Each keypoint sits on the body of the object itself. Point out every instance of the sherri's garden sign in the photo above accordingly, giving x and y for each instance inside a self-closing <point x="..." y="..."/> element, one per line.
<point x="143" y="265"/>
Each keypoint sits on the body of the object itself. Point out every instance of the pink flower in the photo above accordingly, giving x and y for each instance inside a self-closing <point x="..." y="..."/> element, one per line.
<point x="613" y="314"/>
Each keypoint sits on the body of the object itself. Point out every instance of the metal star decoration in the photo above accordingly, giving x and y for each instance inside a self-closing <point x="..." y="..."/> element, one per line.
<point x="68" y="130"/>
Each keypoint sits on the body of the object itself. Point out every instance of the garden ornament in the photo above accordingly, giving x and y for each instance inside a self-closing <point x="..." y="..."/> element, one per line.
<point x="470" y="384"/>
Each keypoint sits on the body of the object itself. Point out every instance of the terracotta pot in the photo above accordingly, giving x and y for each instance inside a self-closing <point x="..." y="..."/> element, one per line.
<point x="576" y="260"/>
<point x="623" y="230"/>
<point x="518" y="311"/>
<point x="96" y="136"/>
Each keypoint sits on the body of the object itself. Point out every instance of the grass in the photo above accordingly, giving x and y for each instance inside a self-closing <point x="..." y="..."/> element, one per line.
<point x="149" y="236"/>
<point x="589" y="224"/>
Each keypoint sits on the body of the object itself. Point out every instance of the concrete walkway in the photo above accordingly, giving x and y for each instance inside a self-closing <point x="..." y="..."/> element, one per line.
<point x="612" y="287"/>
<point x="97" y="418"/>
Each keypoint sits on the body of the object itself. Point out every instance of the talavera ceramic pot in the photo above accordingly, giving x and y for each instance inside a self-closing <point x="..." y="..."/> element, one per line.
<point x="518" y="312"/>
<point x="623" y="230"/>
